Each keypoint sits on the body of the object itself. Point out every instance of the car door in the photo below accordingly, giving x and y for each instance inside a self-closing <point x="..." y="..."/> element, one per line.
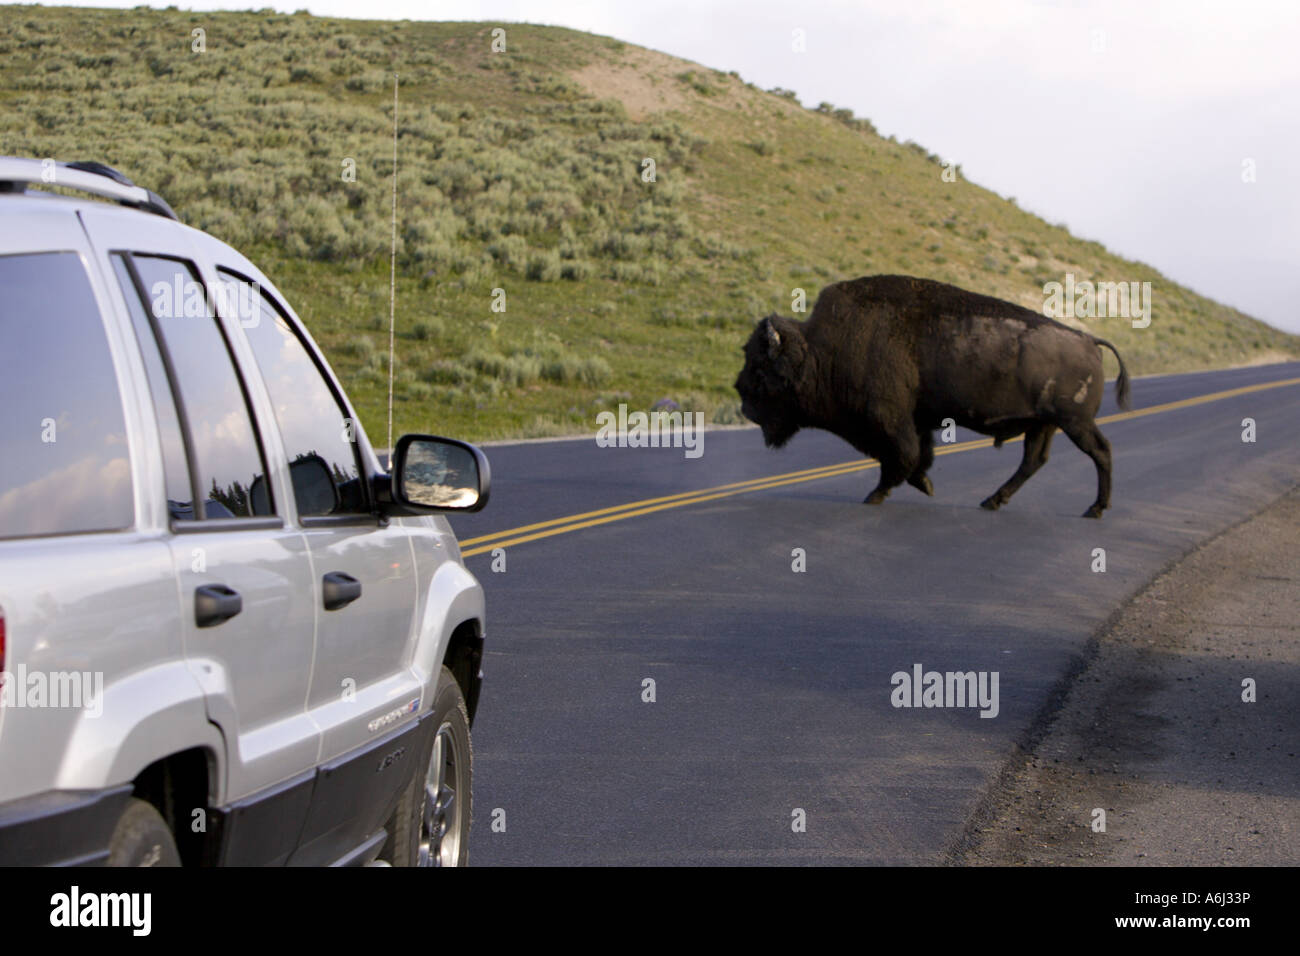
<point x="88" y="606"/>
<point x="364" y="565"/>
<point x="244" y="572"/>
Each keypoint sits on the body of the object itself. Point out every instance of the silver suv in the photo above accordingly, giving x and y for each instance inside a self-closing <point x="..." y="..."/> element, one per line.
<point x="227" y="635"/>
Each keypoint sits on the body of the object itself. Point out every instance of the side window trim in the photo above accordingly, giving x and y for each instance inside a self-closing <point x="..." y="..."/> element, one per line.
<point x="201" y="523"/>
<point x="372" y="514"/>
<point x="341" y="521"/>
<point x="164" y="352"/>
<point x="259" y="523"/>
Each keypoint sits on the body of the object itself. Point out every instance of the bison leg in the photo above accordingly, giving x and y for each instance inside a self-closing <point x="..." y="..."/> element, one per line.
<point x="1038" y="440"/>
<point x="898" y="459"/>
<point x="918" y="479"/>
<point x="1088" y="437"/>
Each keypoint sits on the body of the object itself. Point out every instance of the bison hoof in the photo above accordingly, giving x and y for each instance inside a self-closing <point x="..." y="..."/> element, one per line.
<point x="875" y="498"/>
<point x="991" y="503"/>
<point x="1093" y="512"/>
<point x="922" y="484"/>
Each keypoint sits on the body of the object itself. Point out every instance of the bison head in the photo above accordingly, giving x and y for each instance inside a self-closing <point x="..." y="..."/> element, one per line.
<point x="768" y="384"/>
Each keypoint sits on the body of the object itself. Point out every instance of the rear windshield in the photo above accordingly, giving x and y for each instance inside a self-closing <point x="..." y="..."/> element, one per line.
<point x="64" y="465"/>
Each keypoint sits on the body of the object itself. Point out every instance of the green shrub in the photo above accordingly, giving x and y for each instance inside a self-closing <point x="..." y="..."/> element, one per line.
<point x="423" y="329"/>
<point x="515" y="371"/>
<point x="445" y="372"/>
<point x="362" y="348"/>
<point x="727" y="413"/>
<point x="698" y="83"/>
<point x="576" y="270"/>
<point x="587" y="371"/>
<point x="510" y="251"/>
<point x="544" y="266"/>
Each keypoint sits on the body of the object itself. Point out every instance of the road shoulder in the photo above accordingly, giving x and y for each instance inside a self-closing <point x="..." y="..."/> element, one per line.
<point x="1154" y="730"/>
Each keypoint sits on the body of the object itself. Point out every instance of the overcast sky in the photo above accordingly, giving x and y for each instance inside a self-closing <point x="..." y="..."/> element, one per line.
<point x="1134" y="122"/>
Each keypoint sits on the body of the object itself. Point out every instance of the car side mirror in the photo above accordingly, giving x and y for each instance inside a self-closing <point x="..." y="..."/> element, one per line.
<point x="431" y="475"/>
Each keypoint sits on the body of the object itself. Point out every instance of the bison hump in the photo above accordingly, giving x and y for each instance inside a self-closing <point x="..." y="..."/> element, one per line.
<point x="910" y="294"/>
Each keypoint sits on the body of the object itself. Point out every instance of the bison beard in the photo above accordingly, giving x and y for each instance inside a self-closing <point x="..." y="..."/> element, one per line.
<point x="882" y="361"/>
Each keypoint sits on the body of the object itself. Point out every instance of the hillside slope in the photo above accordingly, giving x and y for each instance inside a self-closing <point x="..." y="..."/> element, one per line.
<point x="524" y="171"/>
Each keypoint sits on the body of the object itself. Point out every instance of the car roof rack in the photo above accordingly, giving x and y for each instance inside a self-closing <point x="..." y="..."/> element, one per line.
<point x="91" y="177"/>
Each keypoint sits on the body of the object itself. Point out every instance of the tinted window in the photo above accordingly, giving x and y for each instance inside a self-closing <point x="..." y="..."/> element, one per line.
<point x="180" y="495"/>
<point x="64" y="465"/>
<point x="317" y="433"/>
<point x="226" y="453"/>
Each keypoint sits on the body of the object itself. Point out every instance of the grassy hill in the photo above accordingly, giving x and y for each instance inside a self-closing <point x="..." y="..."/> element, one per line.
<point x="523" y="171"/>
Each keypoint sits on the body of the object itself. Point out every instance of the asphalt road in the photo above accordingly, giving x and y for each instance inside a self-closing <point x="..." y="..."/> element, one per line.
<point x="773" y="688"/>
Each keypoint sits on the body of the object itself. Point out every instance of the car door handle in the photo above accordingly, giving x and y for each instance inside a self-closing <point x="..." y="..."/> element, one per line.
<point x="339" y="590"/>
<point x="215" y="603"/>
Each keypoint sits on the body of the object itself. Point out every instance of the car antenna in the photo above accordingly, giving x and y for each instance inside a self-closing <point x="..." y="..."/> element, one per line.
<point x="392" y="285"/>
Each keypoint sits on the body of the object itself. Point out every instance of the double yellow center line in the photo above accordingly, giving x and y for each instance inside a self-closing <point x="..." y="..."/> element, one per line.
<point x="634" y="509"/>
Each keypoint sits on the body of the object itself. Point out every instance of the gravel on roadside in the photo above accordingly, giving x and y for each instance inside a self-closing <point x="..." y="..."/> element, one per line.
<point x="1155" y="730"/>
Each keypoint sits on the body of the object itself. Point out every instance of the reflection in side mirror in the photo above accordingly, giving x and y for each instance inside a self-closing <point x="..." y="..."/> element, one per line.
<point x="439" y="473"/>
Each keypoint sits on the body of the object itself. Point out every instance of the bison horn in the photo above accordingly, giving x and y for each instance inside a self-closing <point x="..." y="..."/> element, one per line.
<point x="773" y="338"/>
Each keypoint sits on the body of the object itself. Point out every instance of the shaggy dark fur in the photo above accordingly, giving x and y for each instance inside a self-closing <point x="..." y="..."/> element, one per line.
<point x="883" y="360"/>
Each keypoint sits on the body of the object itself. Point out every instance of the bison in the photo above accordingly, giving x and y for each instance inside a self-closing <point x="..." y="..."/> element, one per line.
<point x="883" y="360"/>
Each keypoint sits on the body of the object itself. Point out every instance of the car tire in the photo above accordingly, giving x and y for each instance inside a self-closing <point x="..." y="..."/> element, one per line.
<point x="432" y="820"/>
<point x="142" y="838"/>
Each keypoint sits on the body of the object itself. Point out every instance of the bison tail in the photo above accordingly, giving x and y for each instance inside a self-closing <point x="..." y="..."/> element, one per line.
<point x="1121" y="384"/>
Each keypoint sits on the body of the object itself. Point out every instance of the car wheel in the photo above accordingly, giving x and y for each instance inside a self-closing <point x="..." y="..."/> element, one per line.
<point x="431" y="824"/>
<point x="142" y="838"/>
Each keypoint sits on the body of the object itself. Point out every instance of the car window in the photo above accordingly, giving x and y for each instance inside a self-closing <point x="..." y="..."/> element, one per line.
<point x="180" y="493"/>
<point x="227" y="456"/>
<point x="317" y="432"/>
<point x="64" y="463"/>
